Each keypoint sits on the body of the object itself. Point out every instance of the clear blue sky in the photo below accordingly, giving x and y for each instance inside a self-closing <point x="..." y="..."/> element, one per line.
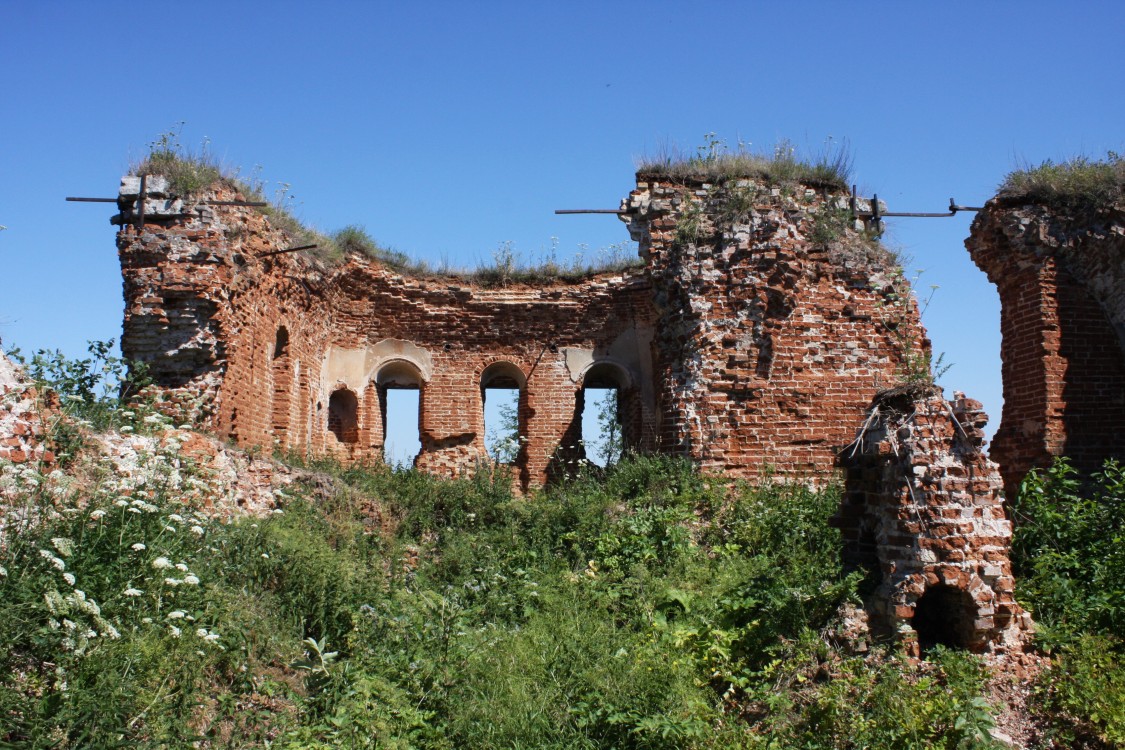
<point x="448" y="128"/>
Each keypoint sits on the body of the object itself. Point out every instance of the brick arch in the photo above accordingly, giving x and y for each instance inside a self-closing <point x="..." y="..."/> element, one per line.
<point x="500" y="371"/>
<point x="399" y="372"/>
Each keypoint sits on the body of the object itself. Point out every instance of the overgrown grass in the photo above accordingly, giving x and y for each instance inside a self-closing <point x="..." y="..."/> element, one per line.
<point x="1077" y="184"/>
<point x="190" y="173"/>
<point x="714" y="162"/>
<point x="641" y="606"/>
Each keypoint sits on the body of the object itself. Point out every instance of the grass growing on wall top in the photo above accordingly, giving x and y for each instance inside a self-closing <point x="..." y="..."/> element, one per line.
<point x="1075" y="184"/>
<point x="190" y="173"/>
<point x="831" y="168"/>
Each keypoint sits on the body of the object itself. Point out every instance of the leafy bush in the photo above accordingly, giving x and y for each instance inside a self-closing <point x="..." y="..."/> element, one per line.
<point x="1068" y="550"/>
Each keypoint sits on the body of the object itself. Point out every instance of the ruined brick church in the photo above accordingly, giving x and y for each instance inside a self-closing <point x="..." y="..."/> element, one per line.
<point x="765" y="333"/>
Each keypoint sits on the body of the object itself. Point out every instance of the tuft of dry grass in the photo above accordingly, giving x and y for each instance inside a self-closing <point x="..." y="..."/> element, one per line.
<point x="1079" y="183"/>
<point x="714" y="162"/>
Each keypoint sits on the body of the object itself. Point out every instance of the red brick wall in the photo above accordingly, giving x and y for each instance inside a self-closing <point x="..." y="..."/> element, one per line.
<point x="923" y="509"/>
<point x="1063" y="364"/>
<point x="752" y="349"/>
<point x="770" y="344"/>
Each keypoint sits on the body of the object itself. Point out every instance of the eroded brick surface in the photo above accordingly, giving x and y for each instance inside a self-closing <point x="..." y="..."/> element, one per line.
<point x="26" y="417"/>
<point x="924" y="509"/>
<point x="1062" y="290"/>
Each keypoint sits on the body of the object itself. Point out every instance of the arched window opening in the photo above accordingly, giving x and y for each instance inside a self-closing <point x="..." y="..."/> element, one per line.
<point x="281" y="343"/>
<point x="343" y="422"/>
<point x="502" y="387"/>
<point x="400" y="397"/>
<point x="944" y="616"/>
<point x="603" y="437"/>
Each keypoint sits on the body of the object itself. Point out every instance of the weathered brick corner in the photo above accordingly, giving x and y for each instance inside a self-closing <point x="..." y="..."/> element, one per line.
<point x="923" y="510"/>
<point x="1061" y="279"/>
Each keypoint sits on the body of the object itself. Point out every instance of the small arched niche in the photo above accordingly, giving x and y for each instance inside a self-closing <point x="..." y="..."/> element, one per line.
<point x="281" y="370"/>
<point x="945" y="616"/>
<point x="400" y="398"/>
<point x="281" y="343"/>
<point x="604" y="402"/>
<point x="503" y="391"/>
<point x="343" y="421"/>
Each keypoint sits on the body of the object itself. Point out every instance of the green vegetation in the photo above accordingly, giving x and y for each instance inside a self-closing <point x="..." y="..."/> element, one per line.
<point x="644" y="606"/>
<point x="831" y="169"/>
<point x="1077" y="184"/>
<point x="1068" y="556"/>
<point x="189" y="173"/>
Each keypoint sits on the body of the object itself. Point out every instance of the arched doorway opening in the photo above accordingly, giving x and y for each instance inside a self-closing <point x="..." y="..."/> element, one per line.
<point x="944" y="616"/>
<point x="400" y="399"/>
<point x="503" y="391"/>
<point x="603" y="410"/>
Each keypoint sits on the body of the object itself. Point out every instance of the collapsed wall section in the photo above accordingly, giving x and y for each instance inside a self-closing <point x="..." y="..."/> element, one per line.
<point x="778" y="321"/>
<point x="923" y="511"/>
<point x="282" y="351"/>
<point x="1061" y="280"/>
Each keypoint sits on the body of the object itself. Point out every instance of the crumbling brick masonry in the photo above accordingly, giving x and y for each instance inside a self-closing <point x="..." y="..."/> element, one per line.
<point x="1062" y="290"/>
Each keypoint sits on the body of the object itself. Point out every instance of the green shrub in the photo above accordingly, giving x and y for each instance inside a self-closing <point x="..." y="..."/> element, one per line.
<point x="1068" y="549"/>
<point x="1083" y="693"/>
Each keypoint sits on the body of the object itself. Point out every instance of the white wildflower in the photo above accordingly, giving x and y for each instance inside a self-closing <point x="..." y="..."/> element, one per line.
<point x="173" y="581"/>
<point x="175" y="631"/>
<point x="3" y="572"/>
<point x="152" y="419"/>
<point x="181" y="567"/>
<point x="176" y="517"/>
<point x="176" y="614"/>
<point x="161" y="563"/>
<point x="111" y="631"/>
<point x="69" y="625"/>
<point x="91" y="634"/>
<point x="146" y="620"/>
<point x="139" y="546"/>
<point x="133" y="592"/>
<point x="211" y="637"/>
<point x="197" y="530"/>
<point x="126" y="428"/>
<point x="120" y="502"/>
<point x="201" y="632"/>
<point x="63" y="545"/>
<point x="134" y="510"/>
<point x="99" y="513"/>
<point x="191" y="580"/>
<point x="170" y="528"/>
<point x="69" y="578"/>
<point x="128" y="414"/>
<point x="265" y="555"/>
